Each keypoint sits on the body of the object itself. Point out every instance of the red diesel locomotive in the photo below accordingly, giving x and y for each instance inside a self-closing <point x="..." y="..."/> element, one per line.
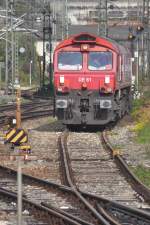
<point x="92" y="80"/>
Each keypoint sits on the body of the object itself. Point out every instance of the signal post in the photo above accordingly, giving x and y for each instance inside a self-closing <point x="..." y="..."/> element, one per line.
<point x="16" y="135"/>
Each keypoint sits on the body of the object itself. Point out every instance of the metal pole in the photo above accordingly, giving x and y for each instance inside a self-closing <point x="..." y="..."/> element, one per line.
<point x="54" y="18"/>
<point x="106" y="24"/>
<point x="50" y="55"/>
<point x="146" y="22"/>
<point x="18" y="111"/>
<point x="66" y="18"/>
<point x="43" y="80"/>
<point x="0" y="75"/>
<point x="16" y="56"/>
<point x="33" y="50"/>
<point x="40" y="65"/>
<point x="99" y="17"/>
<point x="19" y="181"/>
<point x="102" y="18"/>
<point x="30" y="79"/>
<point x="137" y="66"/>
<point x="62" y="19"/>
<point x="12" y="48"/>
<point x="6" y="50"/>
<point x="142" y="56"/>
<point x="143" y="11"/>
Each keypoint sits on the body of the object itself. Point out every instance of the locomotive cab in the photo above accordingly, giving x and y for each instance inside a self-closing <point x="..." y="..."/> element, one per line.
<point x="88" y="77"/>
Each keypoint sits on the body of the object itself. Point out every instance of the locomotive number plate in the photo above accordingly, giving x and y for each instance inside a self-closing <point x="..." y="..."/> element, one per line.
<point x="84" y="79"/>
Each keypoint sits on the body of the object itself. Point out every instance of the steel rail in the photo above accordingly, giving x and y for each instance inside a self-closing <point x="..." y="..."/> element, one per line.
<point x="36" y="106"/>
<point x="118" y="206"/>
<point x="7" y="172"/>
<point x="106" y="215"/>
<point x="29" y="115"/>
<point x="97" y="199"/>
<point x="33" y="114"/>
<point x="77" y="219"/>
<point x="23" y="106"/>
<point x="131" y="211"/>
<point x="48" y="212"/>
<point x="29" y="180"/>
<point x="68" y="179"/>
<point x="137" y="185"/>
<point x="27" y="111"/>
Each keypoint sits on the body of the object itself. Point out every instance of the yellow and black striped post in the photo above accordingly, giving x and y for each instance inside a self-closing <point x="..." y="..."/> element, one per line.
<point x="16" y="136"/>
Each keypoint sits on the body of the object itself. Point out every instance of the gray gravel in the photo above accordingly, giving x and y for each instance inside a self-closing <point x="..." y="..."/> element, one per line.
<point x="96" y="172"/>
<point x="43" y="161"/>
<point x="124" y="138"/>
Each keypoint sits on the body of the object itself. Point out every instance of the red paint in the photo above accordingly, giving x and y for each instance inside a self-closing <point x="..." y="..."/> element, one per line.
<point x="94" y="80"/>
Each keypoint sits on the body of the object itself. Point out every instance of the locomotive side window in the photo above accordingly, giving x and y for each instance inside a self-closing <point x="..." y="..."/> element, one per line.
<point x="100" y="61"/>
<point x="70" y="61"/>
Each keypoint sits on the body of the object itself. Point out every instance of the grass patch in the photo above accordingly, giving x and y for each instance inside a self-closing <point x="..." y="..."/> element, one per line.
<point x="143" y="174"/>
<point x="141" y="116"/>
<point x="117" y="146"/>
<point x="5" y="99"/>
<point x="52" y="119"/>
<point x="137" y="103"/>
<point x="143" y="135"/>
<point x="147" y="151"/>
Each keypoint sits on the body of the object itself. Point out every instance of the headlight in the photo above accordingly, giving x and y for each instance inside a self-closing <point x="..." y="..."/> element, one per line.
<point x="105" y="104"/>
<point x="61" y="80"/>
<point x="107" y="79"/>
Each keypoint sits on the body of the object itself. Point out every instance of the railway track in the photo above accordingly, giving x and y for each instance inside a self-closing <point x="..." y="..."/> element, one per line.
<point x="37" y="191"/>
<point x="35" y="213"/>
<point x="9" y="186"/>
<point x="28" y="115"/>
<point x="26" y="106"/>
<point x="29" y="110"/>
<point x="66" y="201"/>
<point x="92" y="169"/>
<point x="31" y="104"/>
<point x="75" y="203"/>
<point x="60" y="198"/>
<point x="36" y="194"/>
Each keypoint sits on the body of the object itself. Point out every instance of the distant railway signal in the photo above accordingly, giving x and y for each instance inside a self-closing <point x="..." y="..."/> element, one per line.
<point x="131" y="36"/>
<point x="111" y="7"/>
<point x="139" y="28"/>
<point x="22" y="50"/>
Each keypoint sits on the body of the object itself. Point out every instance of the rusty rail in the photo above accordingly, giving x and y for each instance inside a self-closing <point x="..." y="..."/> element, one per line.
<point x="137" y="185"/>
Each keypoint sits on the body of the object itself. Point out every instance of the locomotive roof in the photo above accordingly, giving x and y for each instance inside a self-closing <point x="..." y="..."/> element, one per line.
<point x="90" y="38"/>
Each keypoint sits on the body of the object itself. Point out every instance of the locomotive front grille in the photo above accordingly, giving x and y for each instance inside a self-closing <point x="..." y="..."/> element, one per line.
<point x="84" y="105"/>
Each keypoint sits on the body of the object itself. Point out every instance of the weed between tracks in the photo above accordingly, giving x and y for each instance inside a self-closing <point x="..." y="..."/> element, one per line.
<point x="143" y="174"/>
<point x="141" y="115"/>
<point x="5" y="99"/>
<point x="144" y="135"/>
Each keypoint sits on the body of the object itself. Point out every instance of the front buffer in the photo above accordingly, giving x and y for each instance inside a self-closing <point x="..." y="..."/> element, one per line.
<point x="85" y="108"/>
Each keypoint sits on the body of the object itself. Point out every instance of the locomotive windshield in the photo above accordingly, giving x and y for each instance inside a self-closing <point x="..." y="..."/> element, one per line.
<point x="70" y="61"/>
<point x="100" y="61"/>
